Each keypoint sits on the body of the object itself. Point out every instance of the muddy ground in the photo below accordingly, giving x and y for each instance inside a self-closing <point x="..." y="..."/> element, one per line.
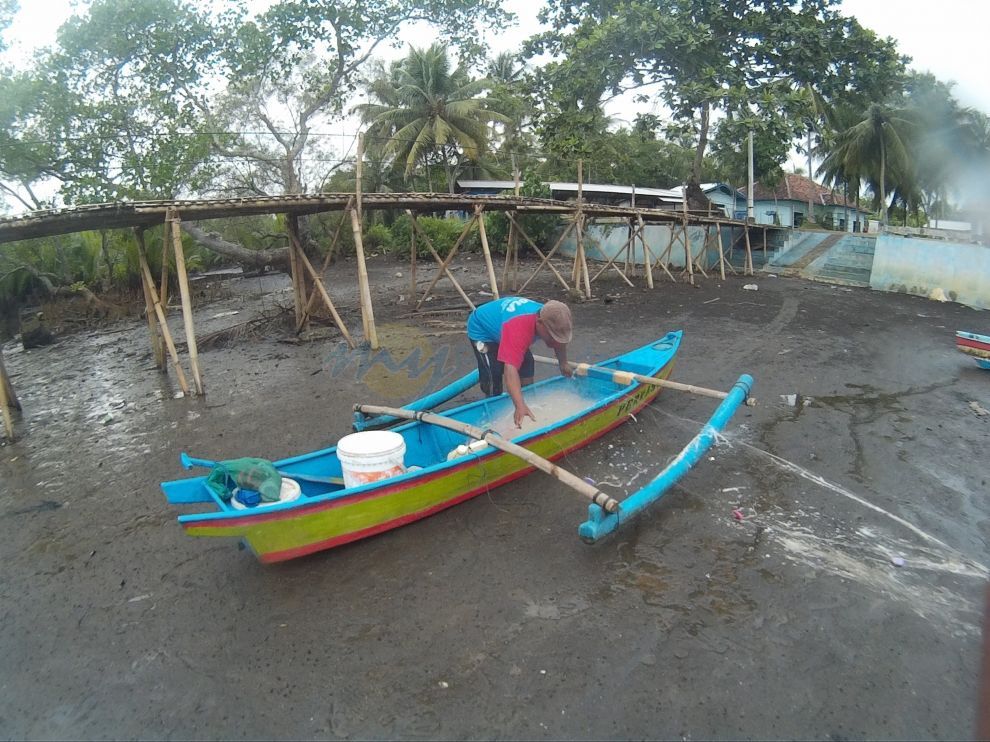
<point x="492" y="619"/>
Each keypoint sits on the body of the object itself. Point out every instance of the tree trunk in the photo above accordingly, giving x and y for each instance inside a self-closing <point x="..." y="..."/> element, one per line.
<point x="277" y="258"/>
<point x="699" y="152"/>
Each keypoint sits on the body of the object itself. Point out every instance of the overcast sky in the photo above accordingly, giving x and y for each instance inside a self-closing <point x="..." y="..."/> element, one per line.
<point x="947" y="38"/>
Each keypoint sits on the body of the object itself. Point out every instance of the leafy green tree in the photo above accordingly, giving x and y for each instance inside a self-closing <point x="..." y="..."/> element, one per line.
<point x="431" y="112"/>
<point x="875" y="149"/>
<point x="748" y="58"/>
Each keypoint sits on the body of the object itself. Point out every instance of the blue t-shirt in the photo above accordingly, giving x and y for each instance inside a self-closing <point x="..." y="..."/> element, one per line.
<point x="485" y="322"/>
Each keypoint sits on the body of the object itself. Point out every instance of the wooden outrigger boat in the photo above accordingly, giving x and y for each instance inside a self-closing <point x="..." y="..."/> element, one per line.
<point x="976" y="346"/>
<point x="328" y="514"/>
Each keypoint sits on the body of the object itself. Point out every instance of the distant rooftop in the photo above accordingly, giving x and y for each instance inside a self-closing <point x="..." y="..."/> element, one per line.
<point x="665" y="196"/>
<point x="796" y="187"/>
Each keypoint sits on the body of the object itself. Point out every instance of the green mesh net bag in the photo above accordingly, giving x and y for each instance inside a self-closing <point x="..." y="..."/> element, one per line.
<point x="257" y="475"/>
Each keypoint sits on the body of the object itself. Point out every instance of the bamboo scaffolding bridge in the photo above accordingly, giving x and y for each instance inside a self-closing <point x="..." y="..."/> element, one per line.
<point x="308" y="284"/>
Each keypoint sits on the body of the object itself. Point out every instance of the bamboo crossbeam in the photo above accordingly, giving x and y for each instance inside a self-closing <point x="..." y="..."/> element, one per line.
<point x="610" y="262"/>
<point x="628" y="377"/>
<point x="545" y="258"/>
<point x="444" y="270"/>
<point x="311" y="302"/>
<point x="445" y="262"/>
<point x="598" y="497"/>
<point x="326" y="298"/>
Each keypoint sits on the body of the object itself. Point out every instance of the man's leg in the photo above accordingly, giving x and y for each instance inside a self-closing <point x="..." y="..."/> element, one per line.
<point x="489" y="368"/>
<point x="528" y="369"/>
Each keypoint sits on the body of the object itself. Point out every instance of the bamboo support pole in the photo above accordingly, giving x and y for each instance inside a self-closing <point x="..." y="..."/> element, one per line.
<point x="444" y="271"/>
<point x="628" y="377"/>
<point x="163" y="288"/>
<point x="629" y="263"/>
<point x="412" y="264"/>
<point x="8" y="420"/>
<point x="445" y="262"/>
<point x="749" y="254"/>
<point x="721" y="257"/>
<point x="157" y="347"/>
<point x="163" y="325"/>
<point x="294" y="272"/>
<point x="721" y="247"/>
<point x="480" y="212"/>
<point x="596" y="496"/>
<point x="764" y="246"/>
<point x="367" y="310"/>
<point x="326" y="297"/>
<point x="186" y="297"/>
<point x="8" y="388"/>
<point x="647" y="254"/>
<point x="506" y="282"/>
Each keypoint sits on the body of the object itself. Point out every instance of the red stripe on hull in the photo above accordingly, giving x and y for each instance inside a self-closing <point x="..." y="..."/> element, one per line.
<point x="967" y="343"/>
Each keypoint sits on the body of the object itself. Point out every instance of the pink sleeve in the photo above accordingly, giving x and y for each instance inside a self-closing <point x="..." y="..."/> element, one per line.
<point x="517" y="336"/>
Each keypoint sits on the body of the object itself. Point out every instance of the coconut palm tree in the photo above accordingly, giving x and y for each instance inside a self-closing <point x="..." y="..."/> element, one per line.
<point x="430" y="112"/>
<point x="875" y="149"/>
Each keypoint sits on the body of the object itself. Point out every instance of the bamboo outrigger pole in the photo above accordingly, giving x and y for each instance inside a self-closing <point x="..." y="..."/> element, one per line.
<point x="608" y="504"/>
<point x="628" y="377"/>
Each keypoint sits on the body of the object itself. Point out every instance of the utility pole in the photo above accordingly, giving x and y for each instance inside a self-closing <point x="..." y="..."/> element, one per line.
<point x="750" y="217"/>
<point x="811" y="177"/>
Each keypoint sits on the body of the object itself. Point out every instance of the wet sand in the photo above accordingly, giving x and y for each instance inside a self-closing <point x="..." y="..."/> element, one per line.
<point x="492" y="619"/>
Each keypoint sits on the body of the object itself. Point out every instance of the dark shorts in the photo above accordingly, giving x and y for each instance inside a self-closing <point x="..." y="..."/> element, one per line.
<point x="490" y="368"/>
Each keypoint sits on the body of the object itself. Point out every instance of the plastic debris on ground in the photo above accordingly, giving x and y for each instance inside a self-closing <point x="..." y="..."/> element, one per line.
<point x="751" y="287"/>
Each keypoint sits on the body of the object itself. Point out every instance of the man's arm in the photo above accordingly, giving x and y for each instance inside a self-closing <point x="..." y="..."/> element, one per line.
<point x="561" y="353"/>
<point x="513" y="385"/>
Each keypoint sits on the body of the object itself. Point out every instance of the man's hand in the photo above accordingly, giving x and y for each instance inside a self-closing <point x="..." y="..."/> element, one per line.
<point x="522" y="411"/>
<point x="566" y="370"/>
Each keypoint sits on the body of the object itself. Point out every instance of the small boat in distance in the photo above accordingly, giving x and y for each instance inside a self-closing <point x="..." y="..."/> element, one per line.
<point x="445" y="466"/>
<point x="975" y="346"/>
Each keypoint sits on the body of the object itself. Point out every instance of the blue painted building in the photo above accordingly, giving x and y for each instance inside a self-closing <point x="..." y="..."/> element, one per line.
<point x="786" y="205"/>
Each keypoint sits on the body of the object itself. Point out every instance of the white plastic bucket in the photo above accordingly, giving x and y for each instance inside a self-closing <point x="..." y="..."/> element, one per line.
<point x="370" y="456"/>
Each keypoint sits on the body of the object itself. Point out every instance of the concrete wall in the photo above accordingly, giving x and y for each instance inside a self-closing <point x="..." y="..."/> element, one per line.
<point x="912" y="265"/>
<point x="602" y="241"/>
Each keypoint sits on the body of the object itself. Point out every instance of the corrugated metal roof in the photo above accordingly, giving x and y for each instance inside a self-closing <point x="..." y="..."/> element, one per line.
<point x="664" y="194"/>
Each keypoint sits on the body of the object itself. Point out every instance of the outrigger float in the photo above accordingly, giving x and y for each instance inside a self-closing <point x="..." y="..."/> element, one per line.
<point x="455" y="456"/>
<point x="975" y="346"/>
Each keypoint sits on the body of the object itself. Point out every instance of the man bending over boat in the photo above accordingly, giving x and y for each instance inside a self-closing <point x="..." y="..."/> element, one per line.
<point x="501" y="332"/>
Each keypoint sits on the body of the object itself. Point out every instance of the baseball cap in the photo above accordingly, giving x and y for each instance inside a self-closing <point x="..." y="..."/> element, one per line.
<point x="556" y="317"/>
